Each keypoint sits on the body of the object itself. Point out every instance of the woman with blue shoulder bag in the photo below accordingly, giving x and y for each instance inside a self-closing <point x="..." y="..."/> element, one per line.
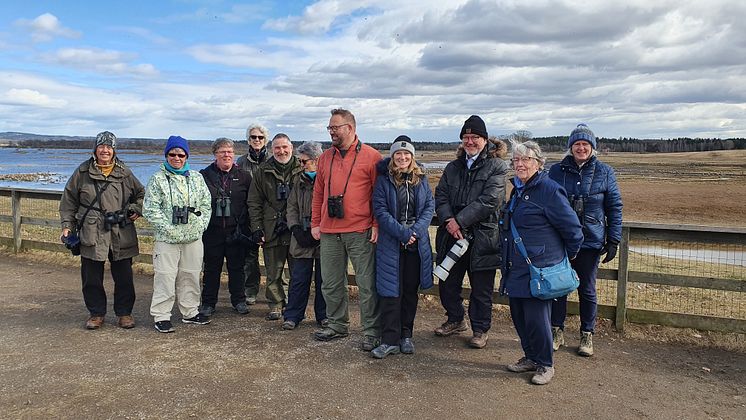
<point x="539" y="222"/>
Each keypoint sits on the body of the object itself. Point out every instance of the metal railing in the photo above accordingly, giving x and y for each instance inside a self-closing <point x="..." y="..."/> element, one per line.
<point x="675" y="275"/>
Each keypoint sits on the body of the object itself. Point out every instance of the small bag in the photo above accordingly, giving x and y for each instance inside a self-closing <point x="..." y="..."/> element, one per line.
<point x="548" y="282"/>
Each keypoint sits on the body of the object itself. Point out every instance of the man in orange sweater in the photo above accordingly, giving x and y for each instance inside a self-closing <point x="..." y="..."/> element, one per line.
<point x="342" y="218"/>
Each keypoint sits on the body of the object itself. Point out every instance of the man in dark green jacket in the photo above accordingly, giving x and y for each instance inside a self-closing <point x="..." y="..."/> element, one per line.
<point x="267" y="204"/>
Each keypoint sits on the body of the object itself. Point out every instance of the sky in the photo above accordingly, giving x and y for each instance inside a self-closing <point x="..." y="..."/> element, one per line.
<point x="208" y="69"/>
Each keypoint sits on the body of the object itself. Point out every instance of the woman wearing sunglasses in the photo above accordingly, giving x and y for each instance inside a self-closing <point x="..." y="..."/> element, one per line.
<point x="177" y="205"/>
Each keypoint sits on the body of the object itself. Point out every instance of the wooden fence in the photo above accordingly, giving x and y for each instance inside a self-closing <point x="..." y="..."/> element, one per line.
<point x="734" y="285"/>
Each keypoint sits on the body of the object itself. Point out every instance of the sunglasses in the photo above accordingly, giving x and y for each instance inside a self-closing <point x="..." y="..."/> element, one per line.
<point x="178" y="155"/>
<point x="253" y="137"/>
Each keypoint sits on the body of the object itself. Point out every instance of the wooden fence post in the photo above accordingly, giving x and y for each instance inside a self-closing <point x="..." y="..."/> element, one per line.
<point x="621" y="284"/>
<point x="15" y="206"/>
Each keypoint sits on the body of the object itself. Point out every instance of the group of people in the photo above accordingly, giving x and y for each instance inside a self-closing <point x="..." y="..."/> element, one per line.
<point x="317" y="211"/>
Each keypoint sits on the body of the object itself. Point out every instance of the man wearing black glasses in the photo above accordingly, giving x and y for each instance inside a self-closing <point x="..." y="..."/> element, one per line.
<point x="342" y="218"/>
<point x="256" y="136"/>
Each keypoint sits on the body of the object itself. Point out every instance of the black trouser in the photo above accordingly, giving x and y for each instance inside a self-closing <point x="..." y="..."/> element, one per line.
<point x="397" y="313"/>
<point x="217" y="250"/>
<point x="94" y="295"/>
<point x="252" y="275"/>
<point x="480" y="300"/>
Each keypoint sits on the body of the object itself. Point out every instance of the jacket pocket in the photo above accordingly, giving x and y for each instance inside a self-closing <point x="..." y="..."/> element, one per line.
<point x="486" y="251"/>
<point x="89" y="231"/>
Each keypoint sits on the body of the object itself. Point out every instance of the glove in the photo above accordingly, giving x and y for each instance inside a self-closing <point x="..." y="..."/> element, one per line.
<point x="256" y="236"/>
<point x="308" y="240"/>
<point x="610" y="249"/>
<point x="281" y="227"/>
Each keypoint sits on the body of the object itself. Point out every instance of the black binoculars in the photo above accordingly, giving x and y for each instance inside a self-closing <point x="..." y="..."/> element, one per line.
<point x="112" y="218"/>
<point x="334" y="207"/>
<point x="282" y="192"/>
<point x="180" y="215"/>
<point x="223" y="207"/>
<point x="578" y="204"/>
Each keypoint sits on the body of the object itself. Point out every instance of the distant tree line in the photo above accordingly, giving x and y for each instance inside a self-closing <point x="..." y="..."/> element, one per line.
<point x="549" y="144"/>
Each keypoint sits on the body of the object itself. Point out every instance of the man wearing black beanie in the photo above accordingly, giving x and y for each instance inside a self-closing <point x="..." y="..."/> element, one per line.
<point x="468" y="199"/>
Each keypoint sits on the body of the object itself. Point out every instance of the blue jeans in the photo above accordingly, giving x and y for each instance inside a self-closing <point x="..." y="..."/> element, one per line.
<point x="586" y="265"/>
<point x="300" y="285"/>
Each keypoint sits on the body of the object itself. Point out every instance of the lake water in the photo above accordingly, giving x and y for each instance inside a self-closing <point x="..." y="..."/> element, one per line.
<point x="59" y="164"/>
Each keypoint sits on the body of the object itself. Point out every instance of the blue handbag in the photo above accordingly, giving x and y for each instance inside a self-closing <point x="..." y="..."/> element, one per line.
<point x="549" y="282"/>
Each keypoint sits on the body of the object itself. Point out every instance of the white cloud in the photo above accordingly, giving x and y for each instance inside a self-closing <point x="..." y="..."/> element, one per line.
<point x="30" y="97"/>
<point x="101" y="61"/>
<point x="46" y="27"/>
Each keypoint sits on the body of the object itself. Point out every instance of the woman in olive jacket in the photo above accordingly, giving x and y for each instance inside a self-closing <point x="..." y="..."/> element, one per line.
<point x="100" y="202"/>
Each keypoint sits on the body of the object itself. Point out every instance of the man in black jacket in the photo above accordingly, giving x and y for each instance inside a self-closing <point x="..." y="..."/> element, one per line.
<point x="228" y="187"/>
<point x="468" y="199"/>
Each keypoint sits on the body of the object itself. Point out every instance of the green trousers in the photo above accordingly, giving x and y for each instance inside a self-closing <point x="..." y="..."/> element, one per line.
<point x="251" y="271"/>
<point x="335" y="251"/>
<point x="277" y="284"/>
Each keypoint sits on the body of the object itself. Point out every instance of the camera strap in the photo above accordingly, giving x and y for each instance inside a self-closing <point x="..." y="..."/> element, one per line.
<point x="92" y="206"/>
<point x="349" y="174"/>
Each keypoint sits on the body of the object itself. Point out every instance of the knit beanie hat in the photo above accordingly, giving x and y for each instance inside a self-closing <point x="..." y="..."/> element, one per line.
<point x="582" y="132"/>
<point x="107" y="138"/>
<point x="474" y="125"/>
<point x="174" y="142"/>
<point x="401" y="143"/>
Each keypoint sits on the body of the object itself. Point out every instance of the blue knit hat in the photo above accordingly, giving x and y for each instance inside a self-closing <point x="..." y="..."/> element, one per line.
<point x="174" y="142"/>
<point x="582" y="132"/>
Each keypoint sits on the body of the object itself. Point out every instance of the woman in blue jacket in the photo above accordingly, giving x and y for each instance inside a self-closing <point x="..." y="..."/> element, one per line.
<point x="593" y="193"/>
<point x="549" y="229"/>
<point x="403" y="206"/>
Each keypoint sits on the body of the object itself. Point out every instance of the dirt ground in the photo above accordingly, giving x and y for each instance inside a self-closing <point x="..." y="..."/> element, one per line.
<point x="246" y="367"/>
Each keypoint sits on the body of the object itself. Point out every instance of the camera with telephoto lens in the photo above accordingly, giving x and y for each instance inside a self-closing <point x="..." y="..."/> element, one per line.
<point x="578" y="204"/>
<point x="223" y="207"/>
<point x="334" y="207"/>
<point x="112" y="218"/>
<point x="282" y="192"/>
<point x="180" y="215"/>
<point x="72" y="242"/>
<point x="457" y="250"/>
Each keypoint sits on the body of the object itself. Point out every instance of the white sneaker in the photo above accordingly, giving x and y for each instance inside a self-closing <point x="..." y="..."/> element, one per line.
<point x="543" y="375"/>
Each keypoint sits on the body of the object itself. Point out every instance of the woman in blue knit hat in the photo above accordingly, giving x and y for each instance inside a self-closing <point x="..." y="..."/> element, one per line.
<point x="594" y="195"/>
<point x="178" y="206"/>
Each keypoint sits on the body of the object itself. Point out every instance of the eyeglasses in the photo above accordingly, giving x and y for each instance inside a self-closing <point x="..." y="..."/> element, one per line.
<point x="178" y="155"/>
<point x="253" y="137"/>
<point x="470" y="138"/>
<point x="224" y="152"/>
<point x="335" y="128"/>
<point x="304" y="161"/>
<point x="522" y="159"/>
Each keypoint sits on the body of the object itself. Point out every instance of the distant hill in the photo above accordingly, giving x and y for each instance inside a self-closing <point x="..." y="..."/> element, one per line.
<point x="548" y="144"/>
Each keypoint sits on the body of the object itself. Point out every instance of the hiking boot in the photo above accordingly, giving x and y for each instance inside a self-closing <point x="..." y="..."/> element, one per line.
<point x="274" y="315"/>
<point x="523" y="365"/>
<point x="558" y="338"/>
<point x="198" y="319"/>
<point x="406" y="346"/>
<point x="164" y="327"/>
<point x="94" y="322"/>
<point x="241" y="308"/>
<point x="323" y="323"/>
<point x="207" y="310"/>
<point x="126" y="322"/>
<point x="289" y="325"/>
<point x="478" y="340"/>
<point x="251" y="300"/>
<point x="369" y="343"/>
<point x="586" y="344"/>
<point x="449" y="328"/>
<point x="543" y="375"/>
<point x="384" y="350"/>
<point x="328" y="334"/>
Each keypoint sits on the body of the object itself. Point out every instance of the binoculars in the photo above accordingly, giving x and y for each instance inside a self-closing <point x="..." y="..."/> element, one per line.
<point x="112" y="218"/>
<point x="180" y="215"/>
<point x="223" y="207"/>
<point x="282" y="192"/>
<point x="578" y="204"/>
<point x="334" y="207"/>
